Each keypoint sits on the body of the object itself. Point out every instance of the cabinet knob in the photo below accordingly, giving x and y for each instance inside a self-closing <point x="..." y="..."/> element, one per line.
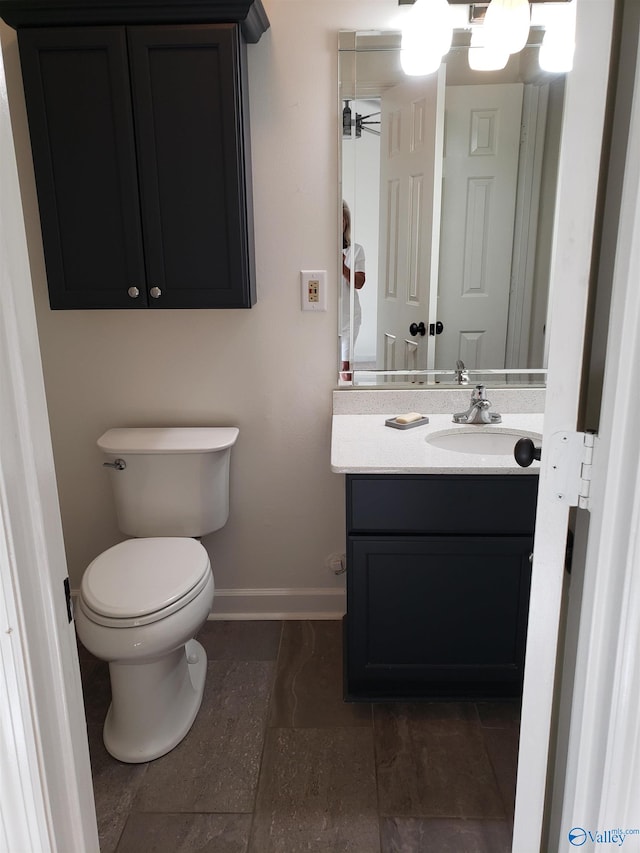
<point x="133" y="292"/>
<point x="155" y="292"/>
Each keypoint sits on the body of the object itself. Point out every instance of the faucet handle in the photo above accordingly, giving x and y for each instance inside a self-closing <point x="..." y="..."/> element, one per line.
<point x="462" y="375"/>
<point x="479" y="393"/>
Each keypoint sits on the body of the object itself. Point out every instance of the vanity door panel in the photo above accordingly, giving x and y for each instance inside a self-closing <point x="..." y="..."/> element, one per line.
<point x="78" y="102"/>
<point x="440" y="617"/>
<point x="191" y="145"/>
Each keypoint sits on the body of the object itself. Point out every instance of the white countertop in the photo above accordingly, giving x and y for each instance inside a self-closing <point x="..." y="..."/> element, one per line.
<point x="363" y="444"/>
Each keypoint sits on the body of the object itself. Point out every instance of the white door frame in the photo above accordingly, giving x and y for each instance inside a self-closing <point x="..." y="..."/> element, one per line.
<point x="46" y="794"/>
<point x="602" y="778"/>
<point x="579" y="167"/>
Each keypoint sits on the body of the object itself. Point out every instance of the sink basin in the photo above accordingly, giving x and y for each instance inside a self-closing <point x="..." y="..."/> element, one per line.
<point x="480" y="440"/>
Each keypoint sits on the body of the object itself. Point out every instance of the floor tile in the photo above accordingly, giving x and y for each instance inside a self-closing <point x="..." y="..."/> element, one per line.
<point x="114" y="786"/>
<point x="241" y="640"/>
<point x="502" y="747"/>
<point x="215" y="768"/>
<point x="83" y="653"/>
<point x="420" y="835"/>
<point x="432" y="762"/>
<point x="96" y="688"/>
<point x="185" y="833"/>
<point x="308" y="687"/>
<point x="499" y="714"/>
<point x="317" y="793"/>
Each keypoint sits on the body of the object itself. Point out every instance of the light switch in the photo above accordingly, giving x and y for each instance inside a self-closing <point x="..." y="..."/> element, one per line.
<point x="313" y="290"/>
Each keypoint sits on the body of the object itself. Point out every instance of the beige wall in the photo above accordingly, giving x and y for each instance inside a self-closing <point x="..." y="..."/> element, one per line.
<point x="269" y="370"/>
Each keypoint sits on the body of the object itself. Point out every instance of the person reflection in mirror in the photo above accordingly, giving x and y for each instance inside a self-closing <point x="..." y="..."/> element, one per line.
<point x="352" y="258"/>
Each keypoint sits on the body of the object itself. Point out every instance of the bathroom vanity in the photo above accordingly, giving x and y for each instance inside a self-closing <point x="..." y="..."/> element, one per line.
<point x="438" y="584"/>
<point x="438" y="548"/>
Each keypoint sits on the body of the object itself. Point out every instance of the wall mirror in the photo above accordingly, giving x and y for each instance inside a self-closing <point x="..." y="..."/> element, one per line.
<point x="450" y="184"/>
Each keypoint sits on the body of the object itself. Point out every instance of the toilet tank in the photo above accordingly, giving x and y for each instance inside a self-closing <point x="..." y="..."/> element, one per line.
<point x="175" y="481"/>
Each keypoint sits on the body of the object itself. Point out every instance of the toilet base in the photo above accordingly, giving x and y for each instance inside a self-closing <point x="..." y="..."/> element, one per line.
<point x="154" y="703"/>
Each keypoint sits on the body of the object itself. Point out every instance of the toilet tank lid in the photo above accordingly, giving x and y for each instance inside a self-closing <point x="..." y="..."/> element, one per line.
<point x="167" y="439"/>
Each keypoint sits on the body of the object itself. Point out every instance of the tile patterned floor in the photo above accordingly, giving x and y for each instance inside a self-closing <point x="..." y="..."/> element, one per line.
<point x="276" y="762"/>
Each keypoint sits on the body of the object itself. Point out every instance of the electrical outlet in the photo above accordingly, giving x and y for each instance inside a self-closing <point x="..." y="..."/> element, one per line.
<point x="313" y="290"/>
<point x="313" y="285"/>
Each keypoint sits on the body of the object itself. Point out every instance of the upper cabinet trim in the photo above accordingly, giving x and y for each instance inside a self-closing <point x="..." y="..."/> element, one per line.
<point x="250" y="14"/>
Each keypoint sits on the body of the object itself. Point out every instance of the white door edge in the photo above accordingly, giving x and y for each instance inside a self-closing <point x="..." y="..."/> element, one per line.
<point x="46" y="794"/>
<point x="579" y="168"/>
<point x="534" y="121"/>
<point x="602" y="780"/>
<point x="434" y="266"/>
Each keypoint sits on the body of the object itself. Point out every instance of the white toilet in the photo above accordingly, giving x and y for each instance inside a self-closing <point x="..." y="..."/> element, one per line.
<point x="142" y="601"/>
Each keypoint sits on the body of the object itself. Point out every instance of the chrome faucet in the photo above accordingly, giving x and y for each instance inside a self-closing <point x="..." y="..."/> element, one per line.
<point x="462" y="375"/>
<point x="478" y="412"/>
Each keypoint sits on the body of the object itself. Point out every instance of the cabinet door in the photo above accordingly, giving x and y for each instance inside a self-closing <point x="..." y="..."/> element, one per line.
<point x="79" y="107"/>
<point x="441" y="617"/>
<point x="191" y="143"/>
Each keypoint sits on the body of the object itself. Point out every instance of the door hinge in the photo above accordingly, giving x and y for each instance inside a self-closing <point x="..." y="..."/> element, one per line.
<point x="67" y="595"/>
<point x="571" y="461"/>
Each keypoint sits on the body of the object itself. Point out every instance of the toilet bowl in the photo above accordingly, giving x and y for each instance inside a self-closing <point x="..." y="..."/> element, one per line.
<point x="141" y="603"/>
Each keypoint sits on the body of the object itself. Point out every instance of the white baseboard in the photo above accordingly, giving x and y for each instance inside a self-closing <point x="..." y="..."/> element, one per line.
<point x="305" y="603"/>
<point x="253" y="604"/>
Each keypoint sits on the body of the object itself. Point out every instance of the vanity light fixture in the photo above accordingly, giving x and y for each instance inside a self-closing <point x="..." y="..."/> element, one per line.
<point x="427" y="33"/>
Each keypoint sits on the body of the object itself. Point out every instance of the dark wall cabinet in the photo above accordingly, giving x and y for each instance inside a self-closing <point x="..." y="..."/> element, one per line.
<point x="438" y="584"/>
<point x="140" y="144"/>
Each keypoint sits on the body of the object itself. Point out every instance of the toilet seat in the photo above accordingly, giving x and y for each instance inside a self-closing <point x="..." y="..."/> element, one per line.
<point x="140" y="581"/>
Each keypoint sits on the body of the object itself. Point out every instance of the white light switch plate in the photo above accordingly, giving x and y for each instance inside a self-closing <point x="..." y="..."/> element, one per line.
<point x="313" y="290"/>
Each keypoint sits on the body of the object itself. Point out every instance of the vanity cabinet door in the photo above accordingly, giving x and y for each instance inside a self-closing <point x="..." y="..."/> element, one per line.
<point x="141" y="154"/>
<point x="441" y="617"/>
<point x="78" y="102"/>
<point x="192" y="150"/>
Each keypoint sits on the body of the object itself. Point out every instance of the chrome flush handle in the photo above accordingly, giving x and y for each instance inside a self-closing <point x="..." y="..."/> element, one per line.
<point x="118" y="464"/>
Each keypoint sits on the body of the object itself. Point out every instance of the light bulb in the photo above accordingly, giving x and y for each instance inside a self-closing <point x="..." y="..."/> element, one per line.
<point x="559" y="40"/>
<point x="419" y="63"/>
<point x="506" y="25"/>
<point x="483" y="58"/>
<point x="426" y="37"/>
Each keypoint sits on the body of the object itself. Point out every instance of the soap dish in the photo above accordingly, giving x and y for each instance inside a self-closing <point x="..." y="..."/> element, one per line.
<point x="392" y="422"/>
